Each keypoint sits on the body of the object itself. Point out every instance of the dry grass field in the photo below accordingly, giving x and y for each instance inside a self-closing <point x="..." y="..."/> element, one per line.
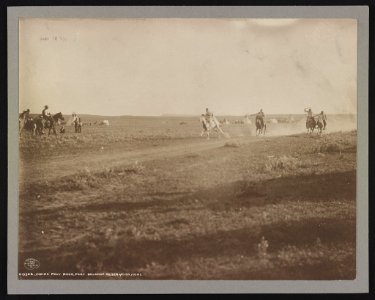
<point x="151" y="199"/>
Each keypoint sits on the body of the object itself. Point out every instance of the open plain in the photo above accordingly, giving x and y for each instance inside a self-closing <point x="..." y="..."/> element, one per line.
<point x="149" y="198"/>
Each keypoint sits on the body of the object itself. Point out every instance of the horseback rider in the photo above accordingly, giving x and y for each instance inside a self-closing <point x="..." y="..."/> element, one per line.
<point x="322" y="118"/>
<point x="310" y="116"/>
<point x="209" y="115"/>
<point x="260" y="116"/>
<point x="309" y="113"/>
<point x="45" y="112"/>
<point x="46" y="116"/>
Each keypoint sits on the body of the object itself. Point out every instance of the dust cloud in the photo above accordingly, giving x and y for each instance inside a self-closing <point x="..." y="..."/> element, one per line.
<point x="335" y="123"/>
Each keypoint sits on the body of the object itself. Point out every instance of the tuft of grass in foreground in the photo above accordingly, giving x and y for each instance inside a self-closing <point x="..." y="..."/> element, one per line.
<point x="87" y="179"/>
<point x="330" y="148"/>
<point x="281" y="163"/>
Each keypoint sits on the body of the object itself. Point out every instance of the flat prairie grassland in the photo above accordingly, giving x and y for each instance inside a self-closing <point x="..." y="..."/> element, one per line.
<point x="126" y="133"/>
<point x="247" y="208"/>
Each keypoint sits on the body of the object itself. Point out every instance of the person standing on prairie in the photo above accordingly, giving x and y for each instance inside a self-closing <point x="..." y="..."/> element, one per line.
<point x="75" y="121"/>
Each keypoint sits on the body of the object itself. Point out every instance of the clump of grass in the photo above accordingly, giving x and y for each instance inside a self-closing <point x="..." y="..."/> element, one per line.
<point x="281" y="163"/>
<point x="87" y="179"/>
<point x="330" y="148"/>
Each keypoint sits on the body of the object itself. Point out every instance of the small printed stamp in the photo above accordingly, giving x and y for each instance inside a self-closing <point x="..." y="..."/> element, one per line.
<point x="31" y="263"/>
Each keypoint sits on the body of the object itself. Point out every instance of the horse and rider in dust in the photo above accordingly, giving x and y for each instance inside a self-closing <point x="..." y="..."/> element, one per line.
<point x="260" y="123"/>
<point x="318" y="121"/>
<point x="210" y="123"/>
<point x="48" y="121"/>
<point x="46" y="118"/>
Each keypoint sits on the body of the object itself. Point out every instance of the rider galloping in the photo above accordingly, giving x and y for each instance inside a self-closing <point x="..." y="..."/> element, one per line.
<point x="260" y="116"/>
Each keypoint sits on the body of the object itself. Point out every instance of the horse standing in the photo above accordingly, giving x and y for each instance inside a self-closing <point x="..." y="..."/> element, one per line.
<point x="48" y="124"/>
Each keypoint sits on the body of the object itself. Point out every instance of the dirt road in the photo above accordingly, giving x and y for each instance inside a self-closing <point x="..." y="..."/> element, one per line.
<point x="46" y="169"/>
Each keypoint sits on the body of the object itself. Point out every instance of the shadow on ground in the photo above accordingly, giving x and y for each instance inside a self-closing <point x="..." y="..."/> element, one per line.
<point x="244" y="194"/>
<point x="126" y="252"/>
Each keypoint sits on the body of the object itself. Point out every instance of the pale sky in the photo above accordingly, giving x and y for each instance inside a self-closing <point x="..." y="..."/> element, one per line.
<point x="181" y="66"/>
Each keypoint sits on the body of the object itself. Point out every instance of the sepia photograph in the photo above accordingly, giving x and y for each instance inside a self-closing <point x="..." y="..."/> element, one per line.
<point x="187" y="148"/>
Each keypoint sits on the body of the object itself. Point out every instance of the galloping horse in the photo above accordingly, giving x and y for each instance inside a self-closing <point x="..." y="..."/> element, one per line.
<point x="260" y="126"/>
<point x="213" y="124"/>
<point x="320" y="126"/>
<point x="310" y="124"/>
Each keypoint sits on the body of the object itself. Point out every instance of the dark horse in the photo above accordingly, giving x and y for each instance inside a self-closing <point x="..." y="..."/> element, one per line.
<point x="260" y="126"/>
<point x="51" y="122"/>
<point x="311" y="124"/>
<point x="320" y="126"/>
<point x="37" y="125"/>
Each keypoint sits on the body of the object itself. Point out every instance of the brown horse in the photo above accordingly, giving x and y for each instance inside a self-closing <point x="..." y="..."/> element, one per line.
<point x="37" y="125"/>
<point x="260" y="126"/>
<point x="320" y="126"/>
<point x="310" y="124"/>
<point x="51" y="122"/>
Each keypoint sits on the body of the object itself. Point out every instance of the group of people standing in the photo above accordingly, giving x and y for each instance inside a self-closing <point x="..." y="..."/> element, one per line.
<point x="47" y="117"/>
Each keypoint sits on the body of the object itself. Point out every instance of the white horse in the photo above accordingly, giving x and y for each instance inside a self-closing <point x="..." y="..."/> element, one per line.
<point x="212" y="124"/>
